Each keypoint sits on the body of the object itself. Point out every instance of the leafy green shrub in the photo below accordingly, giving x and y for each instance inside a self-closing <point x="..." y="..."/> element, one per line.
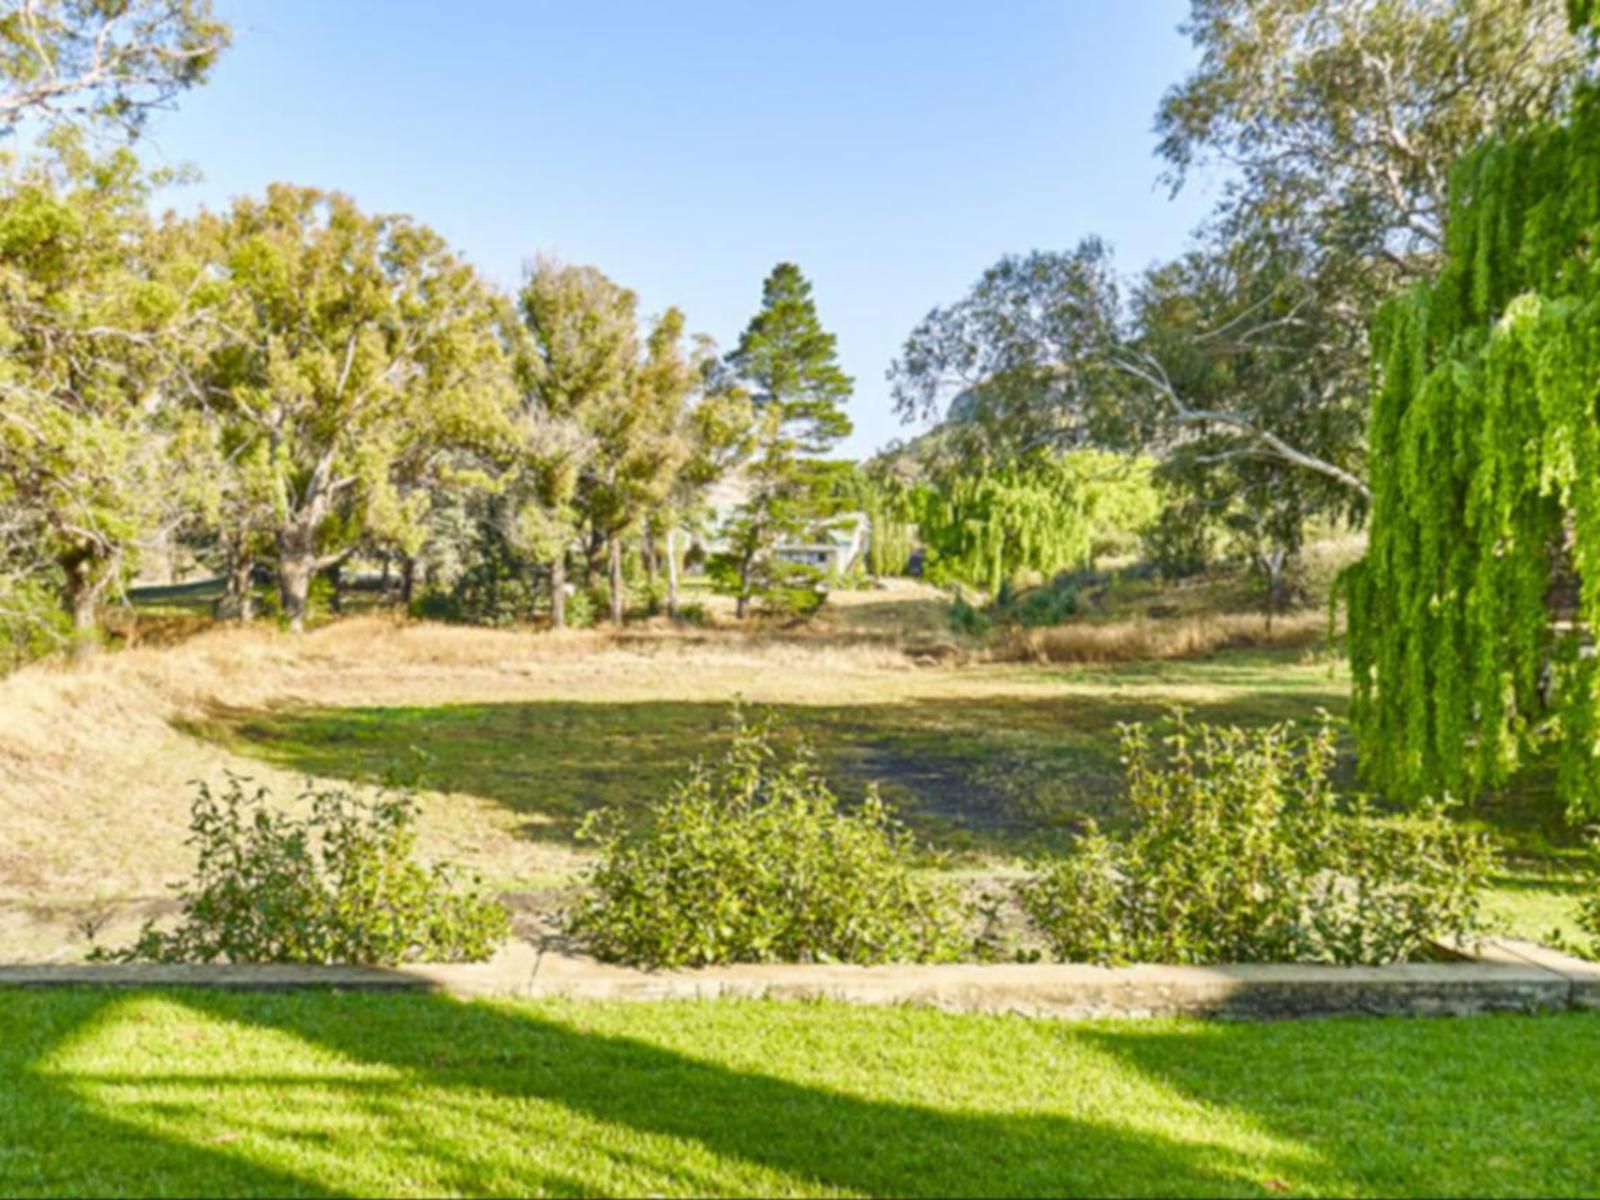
<point x="967" y="619"/>
<point x="1242" y="852"/>
<point x="32" y="623"/>
<point x="1589" y="905"/>
<point x="490" y="593"/>
<point x="753" y="860"/>
<point x="792" y="591"/>
<point x="437" y="606"/>
<point x="1183" y="541"/>
<point x="1048" y="605"/>
<point x="583" y="608"/>
<point x="340" y="885"/>
<point x="695" y="614"/>
<point x="779" y="588"/>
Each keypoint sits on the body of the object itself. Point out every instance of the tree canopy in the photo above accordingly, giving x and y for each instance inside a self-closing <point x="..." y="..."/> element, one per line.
<point x="353" y="345"/>
<point x="788" y="366"/>
<point x="106" y="62"/>
<point x="1472" y="617"/>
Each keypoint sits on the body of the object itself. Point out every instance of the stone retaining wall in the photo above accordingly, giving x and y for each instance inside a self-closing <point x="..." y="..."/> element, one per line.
<point x="1497" y="976"/>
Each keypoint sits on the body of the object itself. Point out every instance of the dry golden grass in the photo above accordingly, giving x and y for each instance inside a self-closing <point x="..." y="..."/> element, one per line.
<point x="1142" y="639"/>
<point x="97" y="759"/>
<point x="95" y="767"/>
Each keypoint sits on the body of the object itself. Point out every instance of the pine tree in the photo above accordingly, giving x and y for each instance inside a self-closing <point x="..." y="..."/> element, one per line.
<point x="789" y="364"/>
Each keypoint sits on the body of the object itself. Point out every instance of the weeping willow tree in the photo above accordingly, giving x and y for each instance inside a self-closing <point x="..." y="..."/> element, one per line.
<point x="1047" y="513"/>
<point x="1472" y="617"/>
<point x="890" y="506"/>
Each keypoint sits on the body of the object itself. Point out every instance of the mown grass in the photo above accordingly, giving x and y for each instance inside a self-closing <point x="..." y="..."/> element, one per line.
<point x="320" y="1094"/>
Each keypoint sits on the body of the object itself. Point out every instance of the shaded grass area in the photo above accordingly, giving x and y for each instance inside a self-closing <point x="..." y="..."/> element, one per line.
<point x="990" y="776"/>
<point x="993" y="774"/>
<point x="319" y="1094"/>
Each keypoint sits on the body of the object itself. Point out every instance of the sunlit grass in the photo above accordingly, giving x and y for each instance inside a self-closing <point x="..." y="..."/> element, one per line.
<point x="319" y="1094"/>
<point x="985" y="772"/>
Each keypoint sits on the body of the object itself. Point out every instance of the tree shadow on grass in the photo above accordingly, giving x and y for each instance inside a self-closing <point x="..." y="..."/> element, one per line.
<point x="464" y="1102"/>
<point x="55" y="1141"/>
<point x="365" y="1093"/>
<point x="1004" y="774"/>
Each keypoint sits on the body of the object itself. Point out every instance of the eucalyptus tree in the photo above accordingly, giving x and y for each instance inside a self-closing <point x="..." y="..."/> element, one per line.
<point x="582" y="358"/>
<point x="1337" y="122"/>
<point x="355" y="344"/>
<point x="1351" y="111"/>
<point x="789" y="364"/>
<point x="105" y="62"/>
<point x="640" y="445"/>
<point x="1017" y="360"/>
<point x="101" y="314"/>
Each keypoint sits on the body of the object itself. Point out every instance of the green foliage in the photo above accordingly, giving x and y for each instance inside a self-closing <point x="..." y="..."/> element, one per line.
<point x="984" y="524"/>
<point x="1588" y="915"/>
<point x="359" y="351"/>
<point x="788" y="367"/>
<point x="97" y="315"/>
<point x="695" y="614"/>
<point x="1241" y="851"/>
<point x="1472" y="617"/>
<point x="890" y="506"/>
<point x="1018" y="351"/>
<point x="108" y="64"/>
<point x="339" y="885"/>
<point x="967" y="618"/>
<point x="791" y="362"/>
<point x="1182" y="541"/>
<point x="585" y="606"/>
<point x="31" y="622"/>
<point x="775" y="586"/>
<point x="1049" y="605"/>
<point x="753" y="859"/>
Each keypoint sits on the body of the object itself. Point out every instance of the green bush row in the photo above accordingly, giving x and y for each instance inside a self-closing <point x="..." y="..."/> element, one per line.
<point x="1240" y="850"/>
<point x="340" y="884"/>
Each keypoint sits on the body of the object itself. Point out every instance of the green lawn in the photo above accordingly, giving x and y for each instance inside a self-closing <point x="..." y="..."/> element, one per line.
<point x="1007" y="775"/>
<point x="185" y="1093"/>
<point x="996" y="773"/>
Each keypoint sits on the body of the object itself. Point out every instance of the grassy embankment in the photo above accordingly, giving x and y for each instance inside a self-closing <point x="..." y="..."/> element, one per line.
<point x="515" y="736"/>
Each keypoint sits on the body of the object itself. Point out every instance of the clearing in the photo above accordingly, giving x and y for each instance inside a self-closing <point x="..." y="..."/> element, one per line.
<point x="513" y="736"/>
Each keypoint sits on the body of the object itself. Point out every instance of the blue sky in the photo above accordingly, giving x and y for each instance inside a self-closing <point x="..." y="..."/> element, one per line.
<point x="892" y="148"/>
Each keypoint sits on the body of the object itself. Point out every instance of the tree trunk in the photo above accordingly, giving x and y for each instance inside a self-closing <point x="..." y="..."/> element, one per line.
<point x="617" y="595"/>
<point x="241" y="588"/>
<point x="742" y="609"/>
<point x="1273" y="565"/>
<point x="672" y="572"/>
<point x="336" y="576"/>
<point x="408" y="580"/>
<point x="83" y="603"/>
<point x="647" y="555"/>
<point x="88" y="571"/>
<point x="594" y="554"/>
<point x="85" y="629"/>
<point x="558" y="591"/>
<point x="297" y="563"/>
